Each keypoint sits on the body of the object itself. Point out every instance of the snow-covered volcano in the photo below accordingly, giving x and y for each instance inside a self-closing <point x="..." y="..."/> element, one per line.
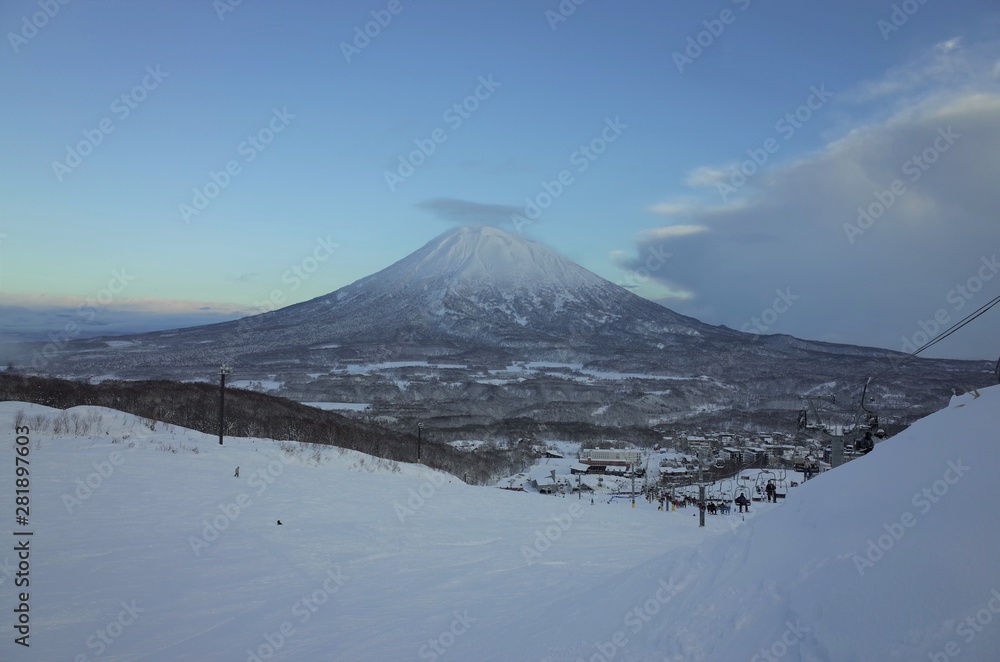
<point x="470" y="327"/>
<point x="484" y="285"/>
<point x="477" y="256"/>
<point x="470" y="290"/>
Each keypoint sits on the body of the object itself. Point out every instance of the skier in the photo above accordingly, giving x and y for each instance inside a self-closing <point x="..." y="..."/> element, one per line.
<point x="770" y="489"/>
<point x="237" y="474"/>
<point x="743" y="503"/>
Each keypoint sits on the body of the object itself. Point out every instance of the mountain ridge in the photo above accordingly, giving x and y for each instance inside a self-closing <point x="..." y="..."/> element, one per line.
<point x="454" y="328"/>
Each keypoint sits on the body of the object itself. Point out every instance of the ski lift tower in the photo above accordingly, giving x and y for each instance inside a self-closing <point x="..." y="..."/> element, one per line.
<point x="701" y="493"/>
<point x="836" y="432"/>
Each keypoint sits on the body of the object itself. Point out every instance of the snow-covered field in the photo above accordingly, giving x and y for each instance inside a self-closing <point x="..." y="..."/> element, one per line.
<point x="146" y="547"/>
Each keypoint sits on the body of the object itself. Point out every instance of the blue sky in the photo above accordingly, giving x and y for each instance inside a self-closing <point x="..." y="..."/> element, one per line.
<point x="120" y="115"/>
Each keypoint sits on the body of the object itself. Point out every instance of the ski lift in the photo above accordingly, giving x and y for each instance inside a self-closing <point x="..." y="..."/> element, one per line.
<point x="781" y="484"/>
<point x="863" y="418"/>
<point x="757" y="484"/>
<point x="728" y="489"/>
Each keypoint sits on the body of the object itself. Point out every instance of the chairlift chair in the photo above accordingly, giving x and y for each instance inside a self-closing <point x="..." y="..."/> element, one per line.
<point x="728" y="489"/>
<point x="758" y="487"/>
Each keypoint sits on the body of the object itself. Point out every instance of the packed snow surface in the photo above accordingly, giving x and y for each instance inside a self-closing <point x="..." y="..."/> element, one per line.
<point x="145" y="546"/>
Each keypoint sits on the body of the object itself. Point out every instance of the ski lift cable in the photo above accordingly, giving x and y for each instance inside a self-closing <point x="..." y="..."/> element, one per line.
<point x="930" y="343"/>
<point x="958" y="325"/>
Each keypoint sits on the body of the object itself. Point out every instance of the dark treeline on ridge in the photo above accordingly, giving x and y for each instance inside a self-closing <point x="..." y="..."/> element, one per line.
<point x="252" y="414"/>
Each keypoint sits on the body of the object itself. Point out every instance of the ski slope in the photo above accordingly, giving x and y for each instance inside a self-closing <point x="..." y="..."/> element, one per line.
<point x="169" y="556"/>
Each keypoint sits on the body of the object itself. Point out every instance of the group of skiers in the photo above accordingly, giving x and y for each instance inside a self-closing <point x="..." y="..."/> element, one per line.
<point x="742" y="502"/>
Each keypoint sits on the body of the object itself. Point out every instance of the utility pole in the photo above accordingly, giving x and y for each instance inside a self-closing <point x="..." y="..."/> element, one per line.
<point x="633" y="484"/>
<point x="223" y="371"/>
<point x="420" y="430"/>
<point x="701" y="493"/>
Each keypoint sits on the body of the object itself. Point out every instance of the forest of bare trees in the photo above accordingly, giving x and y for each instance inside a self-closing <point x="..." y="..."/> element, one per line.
<point x="252" y="414"/>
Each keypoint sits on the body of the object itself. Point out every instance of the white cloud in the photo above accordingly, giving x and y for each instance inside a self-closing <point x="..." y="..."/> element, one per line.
<point x="668" y="231"/>
<point x="937" y="231"/>
<point x="673" y="208"/>
<point x="947" y="63"/>
<point x="706" y="176"/>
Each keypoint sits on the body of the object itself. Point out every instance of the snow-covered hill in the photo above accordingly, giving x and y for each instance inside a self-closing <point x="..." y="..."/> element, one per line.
<point x="145" y="546"/>
<point x="892" y="557"/>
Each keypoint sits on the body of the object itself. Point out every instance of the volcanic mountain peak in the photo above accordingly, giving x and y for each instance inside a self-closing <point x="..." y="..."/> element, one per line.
<point x="479" y="255"/>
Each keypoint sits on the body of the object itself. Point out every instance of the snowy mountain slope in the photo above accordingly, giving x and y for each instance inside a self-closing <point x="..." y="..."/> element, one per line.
<point x="481" y="299"/>
<point x="147" y="547"/>
<point x="474" y="286"/>
<point x="886" y="558"/>
<point x="891" y="557"/>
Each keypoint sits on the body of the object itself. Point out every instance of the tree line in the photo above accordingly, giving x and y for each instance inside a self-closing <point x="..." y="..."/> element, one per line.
<point x="253" y="414"/>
